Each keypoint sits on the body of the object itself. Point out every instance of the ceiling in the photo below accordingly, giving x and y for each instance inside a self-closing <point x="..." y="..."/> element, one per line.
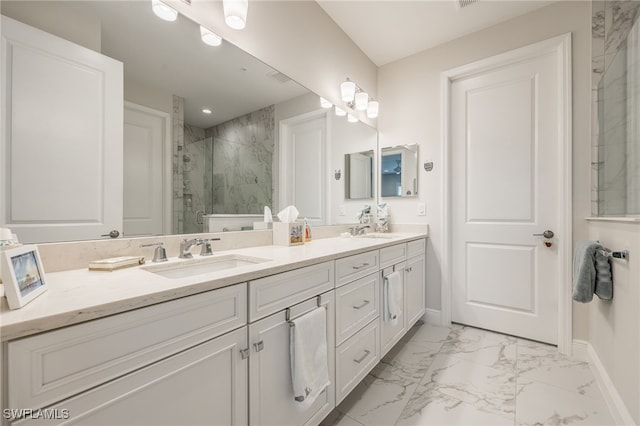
<point x="388" y="30"/>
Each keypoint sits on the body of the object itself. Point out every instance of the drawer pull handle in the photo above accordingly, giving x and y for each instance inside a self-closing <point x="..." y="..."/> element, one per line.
<point x="364" y="265"/>
<point x="258" y="346"/>
<point x="366" y="354"/>
<point x="362" y="305"/>
<point x="409" y="269"/>
<point x="244" y="353"/>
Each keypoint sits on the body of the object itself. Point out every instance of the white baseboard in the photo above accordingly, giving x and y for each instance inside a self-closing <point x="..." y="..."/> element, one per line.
<point x="584" y="351"/>
<point x="432" y="316"/>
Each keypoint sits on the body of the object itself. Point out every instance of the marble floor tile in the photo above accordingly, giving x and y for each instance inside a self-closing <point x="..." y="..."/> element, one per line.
<point x="539" y="403"/>
<point x="409" y="360"/>
<point x="543" y="363"/>
<point x="378" y="401"/>
<point x="337" y="418"/>
<point x="486" y="388"/>
<point x="428" y="333"/>
<point x="483" y="347"/>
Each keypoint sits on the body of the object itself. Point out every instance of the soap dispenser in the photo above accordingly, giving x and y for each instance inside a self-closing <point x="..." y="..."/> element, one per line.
<point x="307" y="231"/>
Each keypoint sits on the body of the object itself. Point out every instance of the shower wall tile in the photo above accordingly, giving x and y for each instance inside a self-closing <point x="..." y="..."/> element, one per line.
<point x="242" y="163"/>
<point x="194" y="177"/>
<point x="177" y="123"/>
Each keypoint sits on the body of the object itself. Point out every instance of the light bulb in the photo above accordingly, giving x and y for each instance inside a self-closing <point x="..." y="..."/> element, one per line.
<point x="206" y="111"/>
<point x="372" y="109"/>
<point x="352" y="118"/>
<point x="164" y="11"/>
<point x="347" y="90"/>
<point x="340" y="112"/>
<point x="325" y="103"/>
<point x="235" y="13"/>
<point x="209" y="37"/>
<point x="362" y="98"/>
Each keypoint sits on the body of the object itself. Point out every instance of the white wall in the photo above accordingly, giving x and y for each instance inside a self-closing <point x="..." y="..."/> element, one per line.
<point x="614" y="326"/>
<point x="409" y="94"/>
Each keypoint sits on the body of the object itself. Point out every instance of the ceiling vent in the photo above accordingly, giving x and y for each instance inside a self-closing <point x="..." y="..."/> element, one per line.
<point x="282" y="78"/>
<point x="465" y="3"/>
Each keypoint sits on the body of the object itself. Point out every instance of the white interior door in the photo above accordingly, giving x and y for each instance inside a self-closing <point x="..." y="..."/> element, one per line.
<point x="505" y="183"/>
<point x="62" y="116"/>
<point x="303" y="167"/>
<point x="360" y="173"/>
<point x="146" y="181"/>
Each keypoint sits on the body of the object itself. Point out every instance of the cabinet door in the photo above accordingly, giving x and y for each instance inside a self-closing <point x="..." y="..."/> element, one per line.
<point x="414" y="285"/>
<point x="270" y="387"/>
<point x="206" y="384"/>
<point x="61" y="142"/>
<point x="391" y="332"/>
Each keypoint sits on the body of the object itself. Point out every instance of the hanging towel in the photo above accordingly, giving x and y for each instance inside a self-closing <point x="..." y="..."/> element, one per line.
<point x="308" y="356"/>
<point x="392" y="294"/>
<point x="604" y="278"/>
<point x="584" y="271"/>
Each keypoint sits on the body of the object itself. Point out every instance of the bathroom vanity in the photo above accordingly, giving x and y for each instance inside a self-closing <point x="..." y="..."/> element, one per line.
<point x="136" y="347"/>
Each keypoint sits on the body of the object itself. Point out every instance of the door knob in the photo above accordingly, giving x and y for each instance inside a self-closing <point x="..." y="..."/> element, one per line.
<point x="547" y="234"/>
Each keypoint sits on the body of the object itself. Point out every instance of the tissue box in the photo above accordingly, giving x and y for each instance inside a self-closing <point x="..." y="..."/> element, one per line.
<point x="288" y="234"/>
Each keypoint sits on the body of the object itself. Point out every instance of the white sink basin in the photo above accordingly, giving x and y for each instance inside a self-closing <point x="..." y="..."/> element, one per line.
<point x="201" y="266"/>
<point x="377" y="235"/>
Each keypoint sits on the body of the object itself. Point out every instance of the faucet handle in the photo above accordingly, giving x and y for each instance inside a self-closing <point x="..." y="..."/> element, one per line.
<point x="160" y="254"/>
<point x="207" y="250"/>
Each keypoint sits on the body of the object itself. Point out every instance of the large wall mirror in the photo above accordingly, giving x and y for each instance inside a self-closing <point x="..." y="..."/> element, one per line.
<point x="399" y="171"/>
<point x="219" y="114"/>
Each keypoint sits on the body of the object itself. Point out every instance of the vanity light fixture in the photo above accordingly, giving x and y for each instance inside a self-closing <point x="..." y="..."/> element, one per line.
<point x="209" y="37"/>
<point x="206" y="111"/>
<point x="347" y="90"/>
<point x="352" y="118"/>
<point x="164" y="11"/>
<point x="235" y="13"/>
<point x="362" y="99"/>
<point x="372" y="109"/>
<point x="340" y="112"/>
<point x="325" y="103"/>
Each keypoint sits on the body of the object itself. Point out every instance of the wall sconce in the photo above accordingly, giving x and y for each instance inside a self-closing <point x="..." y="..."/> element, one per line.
<point x="164" y="11"/>
<point x="337" y="174"/>
<point x="356" y="98"/>
<point x="235" y="13"/>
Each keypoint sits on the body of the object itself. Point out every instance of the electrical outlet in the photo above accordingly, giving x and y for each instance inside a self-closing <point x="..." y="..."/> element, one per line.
<point x="342" y="210"/>
<point x="422" y="209"/>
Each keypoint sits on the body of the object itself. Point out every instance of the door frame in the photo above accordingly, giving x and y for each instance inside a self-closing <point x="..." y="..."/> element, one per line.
<point x="561" y="47"/>
<point x="167" y="167"/>
<point x="284" y="154"/>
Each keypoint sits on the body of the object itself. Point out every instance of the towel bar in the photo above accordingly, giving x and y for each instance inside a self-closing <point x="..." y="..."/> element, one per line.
<point x="623" y="254"/>
<point x="288" y="310"/>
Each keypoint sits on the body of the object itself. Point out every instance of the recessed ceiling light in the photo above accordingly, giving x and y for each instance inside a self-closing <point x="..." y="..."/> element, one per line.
<point x="206" y="111"/>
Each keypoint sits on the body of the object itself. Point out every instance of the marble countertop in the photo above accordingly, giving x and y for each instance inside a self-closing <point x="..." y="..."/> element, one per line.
<point x="81" y="295"/>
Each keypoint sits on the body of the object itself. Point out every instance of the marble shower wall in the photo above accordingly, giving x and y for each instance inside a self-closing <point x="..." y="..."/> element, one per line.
<point x="177" y="123"/>
<point x="616" y="105"/>
<point x="194" y="159"/>
<point x="241" y="170"/>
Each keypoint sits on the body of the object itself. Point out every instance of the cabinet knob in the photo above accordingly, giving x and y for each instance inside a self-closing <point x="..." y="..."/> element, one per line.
<point x="258" y="346"/>
<point x="362" y="305"/>
<point x="409" y="269"/>
<point x="244" y="353"/>
<point x="366" y="354"/>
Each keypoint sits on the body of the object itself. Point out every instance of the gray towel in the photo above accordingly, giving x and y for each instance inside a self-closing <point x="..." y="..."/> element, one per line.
<point x="604" y="279"/>
<point x="584" y="270"/>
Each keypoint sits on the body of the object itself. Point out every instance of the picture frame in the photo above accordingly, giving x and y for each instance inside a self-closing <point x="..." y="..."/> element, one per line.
<point x="22" y="275"/>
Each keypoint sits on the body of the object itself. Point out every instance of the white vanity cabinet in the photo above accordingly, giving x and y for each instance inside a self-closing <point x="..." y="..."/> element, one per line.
<point x="169" y="356"/>
<point x="392" y="331"/>
<point x="270" y="386"/>
<point x="414" y="282"/>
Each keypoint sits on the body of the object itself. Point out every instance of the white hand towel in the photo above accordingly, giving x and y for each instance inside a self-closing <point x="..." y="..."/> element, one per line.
<point x="392" y="297"/>
<point x="308" y="347"/>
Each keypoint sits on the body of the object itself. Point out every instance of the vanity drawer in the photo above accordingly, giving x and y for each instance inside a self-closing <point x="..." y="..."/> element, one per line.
<point x="356" y="266"/>
<point x="277" y="292"/>
<point x="415" y="248"/>
<point x="357" y="303"/>
<point x="355" y="358"/>
<point x="51" y="366"/>
<point x="393" y="254"/>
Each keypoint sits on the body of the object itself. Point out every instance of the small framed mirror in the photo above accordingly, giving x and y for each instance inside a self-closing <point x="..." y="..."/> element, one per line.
<point x="399" y="171"/>
<point x="358" y="173"/>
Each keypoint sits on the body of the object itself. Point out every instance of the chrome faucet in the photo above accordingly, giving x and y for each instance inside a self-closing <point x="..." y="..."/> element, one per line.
<point x="186" y="245"/>
<point x="359" y="229"/>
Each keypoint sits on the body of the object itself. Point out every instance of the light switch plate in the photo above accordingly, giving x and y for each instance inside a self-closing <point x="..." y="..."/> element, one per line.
<point x="422" y="209"/>
<point x="341" y="210"/>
